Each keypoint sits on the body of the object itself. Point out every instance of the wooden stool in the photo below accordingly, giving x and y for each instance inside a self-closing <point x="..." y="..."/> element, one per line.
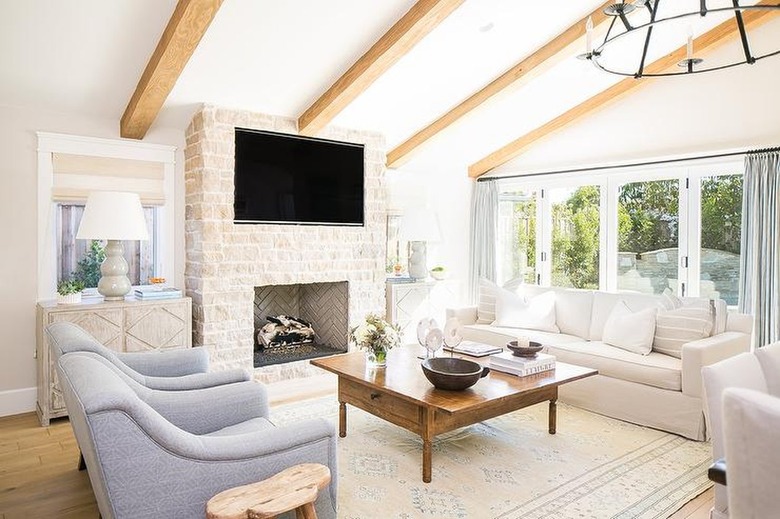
<point x="294" y="488"/>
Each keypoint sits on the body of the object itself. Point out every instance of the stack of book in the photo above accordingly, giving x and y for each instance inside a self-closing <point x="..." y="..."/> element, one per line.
<point x="400" y="279"/>
<point x="155" y="292"/>
<point x="475" y="349"/>
<point x="522" y="366"/>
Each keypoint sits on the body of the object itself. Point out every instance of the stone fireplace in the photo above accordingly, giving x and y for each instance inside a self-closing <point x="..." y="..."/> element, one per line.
<point x="324" y="306"/>
<point x="225" y="262"/>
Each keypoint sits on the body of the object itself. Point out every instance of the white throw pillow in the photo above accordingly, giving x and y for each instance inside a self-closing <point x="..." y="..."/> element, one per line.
<point x="537" y="313"/>
<point x="488" y="292"/>
<point x="630" y="331"/>
<point x="673" y="328"/>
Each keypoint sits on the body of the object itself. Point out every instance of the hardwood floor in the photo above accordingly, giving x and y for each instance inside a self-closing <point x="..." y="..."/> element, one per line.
<point x="38" y="465"/>
<point x="38" y="471"/>
<point x="698" y="508"/>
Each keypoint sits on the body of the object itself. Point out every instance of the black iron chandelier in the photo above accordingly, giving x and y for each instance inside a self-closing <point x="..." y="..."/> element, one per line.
<point x="635" y="28"/>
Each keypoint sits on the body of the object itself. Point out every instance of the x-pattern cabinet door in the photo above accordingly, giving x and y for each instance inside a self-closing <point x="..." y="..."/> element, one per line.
<point x="123" y="326"/>
<point x="407" y="303"/>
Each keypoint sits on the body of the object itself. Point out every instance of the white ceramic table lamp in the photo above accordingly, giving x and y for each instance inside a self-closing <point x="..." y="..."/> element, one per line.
<point x="419" y="226"/>
<point x="113" y="216"/>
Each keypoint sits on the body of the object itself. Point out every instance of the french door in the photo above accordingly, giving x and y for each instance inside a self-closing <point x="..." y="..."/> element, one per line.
<point x="643" y="230"/>
<point x="678" y="228"/>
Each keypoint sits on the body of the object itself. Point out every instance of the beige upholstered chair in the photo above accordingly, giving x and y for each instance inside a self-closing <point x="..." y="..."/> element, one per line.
<point x="751" y="429"/>
<point x="758" y="371"/>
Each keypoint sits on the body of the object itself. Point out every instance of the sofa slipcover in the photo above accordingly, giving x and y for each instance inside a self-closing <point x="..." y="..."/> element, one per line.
<point x="656" y="390"/>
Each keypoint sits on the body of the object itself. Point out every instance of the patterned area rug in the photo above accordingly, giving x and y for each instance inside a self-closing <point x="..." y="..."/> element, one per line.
<point x="511" y="468"/>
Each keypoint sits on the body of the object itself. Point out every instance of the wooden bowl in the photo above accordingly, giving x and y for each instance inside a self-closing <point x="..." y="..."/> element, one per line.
<point x="453" y="374"/>
<point x="521" y="351"/>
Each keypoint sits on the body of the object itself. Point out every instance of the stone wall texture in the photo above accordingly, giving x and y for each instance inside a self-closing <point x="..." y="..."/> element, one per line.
<point x="225" y="261"/>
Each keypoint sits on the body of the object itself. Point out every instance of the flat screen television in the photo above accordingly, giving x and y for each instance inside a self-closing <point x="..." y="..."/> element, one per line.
<point x="288" y="179"/>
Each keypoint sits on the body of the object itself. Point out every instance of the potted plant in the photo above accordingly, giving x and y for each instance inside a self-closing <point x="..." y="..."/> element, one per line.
<point x="88" y="268"/>
<point x="69" y="291"/>
<point x="438" y="273"/>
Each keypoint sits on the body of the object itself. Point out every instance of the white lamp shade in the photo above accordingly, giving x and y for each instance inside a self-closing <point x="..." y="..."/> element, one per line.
<point x="419" y="225"/>
<point x="113" y="215"/>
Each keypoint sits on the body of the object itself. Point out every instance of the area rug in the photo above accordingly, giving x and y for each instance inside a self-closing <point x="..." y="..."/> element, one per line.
<point x="510" y="467"/>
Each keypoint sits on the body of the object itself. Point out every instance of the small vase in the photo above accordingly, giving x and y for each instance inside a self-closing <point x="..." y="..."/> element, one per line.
<point x="376" y="359"/>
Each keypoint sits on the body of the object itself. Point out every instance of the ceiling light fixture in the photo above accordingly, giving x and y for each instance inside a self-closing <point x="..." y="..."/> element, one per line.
<point x="636" y="27"/>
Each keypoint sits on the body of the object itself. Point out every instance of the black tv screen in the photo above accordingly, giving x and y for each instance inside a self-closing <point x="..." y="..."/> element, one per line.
<point x="290" y="179"/>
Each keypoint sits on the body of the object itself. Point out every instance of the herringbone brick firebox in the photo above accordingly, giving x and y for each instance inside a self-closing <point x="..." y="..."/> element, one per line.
<point x="323" y="305"/>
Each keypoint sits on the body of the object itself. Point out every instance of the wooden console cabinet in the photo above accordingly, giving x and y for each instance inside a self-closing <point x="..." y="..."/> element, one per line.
<point x="124" y="326"/>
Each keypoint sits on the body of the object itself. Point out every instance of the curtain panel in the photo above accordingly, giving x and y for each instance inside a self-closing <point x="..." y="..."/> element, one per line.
<point x="482" y="247"/>
<point x="759" y="273"/>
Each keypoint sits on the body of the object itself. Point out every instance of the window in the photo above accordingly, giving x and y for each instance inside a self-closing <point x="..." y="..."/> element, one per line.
<point x="69" y="167"/>
<point x="575" y="237"/>
<point x="81" y="258"/>
<point x="517" y="222"/>
<point x="641" y="230"/>
<point x="721" y="232"/>
<point x="648" y="236"/>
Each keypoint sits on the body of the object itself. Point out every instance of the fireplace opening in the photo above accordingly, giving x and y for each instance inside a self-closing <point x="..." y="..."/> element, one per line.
<point x="300" y="321"/>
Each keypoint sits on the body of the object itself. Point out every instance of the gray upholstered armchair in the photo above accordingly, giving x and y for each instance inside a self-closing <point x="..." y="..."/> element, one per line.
<point x="166" y="370"/>
<point x="153" y="453"/>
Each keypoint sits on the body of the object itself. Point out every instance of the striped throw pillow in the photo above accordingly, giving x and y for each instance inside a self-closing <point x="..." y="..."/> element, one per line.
<point x="669" y="301"/>
<point x="718" y="317"/>
<point x="488" y="292"/>
<point x="673" y="328"/>
<point x="486" y="305"/>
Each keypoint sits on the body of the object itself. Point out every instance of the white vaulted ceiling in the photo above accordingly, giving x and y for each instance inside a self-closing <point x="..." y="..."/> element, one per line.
<point x="278" y="57"/>
<point x="77" y="56"/>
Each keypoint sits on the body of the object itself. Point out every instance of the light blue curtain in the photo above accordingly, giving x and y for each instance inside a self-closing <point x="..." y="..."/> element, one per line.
<point x="482" y="247"/>
<point x="759" y="273"/>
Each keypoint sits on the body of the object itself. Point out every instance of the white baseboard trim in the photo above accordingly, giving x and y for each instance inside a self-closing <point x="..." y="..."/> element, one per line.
<point x="18" y="401"/>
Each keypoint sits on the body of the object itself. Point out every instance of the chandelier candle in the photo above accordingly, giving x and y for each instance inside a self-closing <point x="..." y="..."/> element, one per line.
<point x="689" y="47"/>
<point x="589" y="35"/>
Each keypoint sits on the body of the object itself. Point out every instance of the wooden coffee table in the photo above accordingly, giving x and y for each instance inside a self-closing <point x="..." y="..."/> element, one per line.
<point x="400" y="394"/>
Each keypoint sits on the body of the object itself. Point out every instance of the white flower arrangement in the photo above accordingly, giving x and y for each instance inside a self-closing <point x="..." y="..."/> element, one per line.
<point x="376" y="335"/>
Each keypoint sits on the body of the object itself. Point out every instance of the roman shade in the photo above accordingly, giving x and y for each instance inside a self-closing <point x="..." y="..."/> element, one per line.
<point x="76" y="175"/>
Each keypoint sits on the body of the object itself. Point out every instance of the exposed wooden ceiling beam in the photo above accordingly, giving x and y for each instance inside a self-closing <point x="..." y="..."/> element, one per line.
<point x="185" y="29"/>
<point x="540" y="59"/>
<point x="719" y="35"/>
<point x="420" y="20"/>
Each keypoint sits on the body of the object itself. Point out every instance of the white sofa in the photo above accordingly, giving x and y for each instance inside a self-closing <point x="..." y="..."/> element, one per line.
<point x="655" y="390"/>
